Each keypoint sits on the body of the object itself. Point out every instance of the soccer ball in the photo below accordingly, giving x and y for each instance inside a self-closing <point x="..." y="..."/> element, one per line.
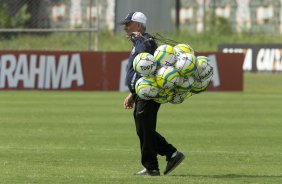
<point x="146" y="88"/>
<point x="185" y="64"/>
<point x="185" y="84"/>
<point x="204" y="69"/>
<point x="178" y="97"/>
<point x="183" y="48"/>
<point x="167" y="77"/>
<point x="164" y="96"/>
<point x="165" y="55"/>
<point x="144" y="63"/>
<point x="200" y="86"/>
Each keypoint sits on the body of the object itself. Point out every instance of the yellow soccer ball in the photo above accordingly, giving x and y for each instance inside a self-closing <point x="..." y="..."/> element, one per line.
<point x="183" y="48"/>
<point x="167" y="77"/>
<point x="164" y="96"/>
<point x="144" y="63"/>
<point x="146" y="88"/>
<point x="203" y="69"/>
<point x="165" y="55"/>
<point x="200" y="86"/>
<point x="185" y="64"/>
<point x="185" y="84"/>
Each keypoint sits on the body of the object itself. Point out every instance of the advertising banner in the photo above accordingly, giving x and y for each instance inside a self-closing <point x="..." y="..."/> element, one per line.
<point x="258" y="57"/>
<point x="103" y="71"/>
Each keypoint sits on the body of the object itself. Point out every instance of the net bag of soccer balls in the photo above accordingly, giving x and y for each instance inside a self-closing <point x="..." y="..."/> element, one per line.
<point x="172" y="74"/>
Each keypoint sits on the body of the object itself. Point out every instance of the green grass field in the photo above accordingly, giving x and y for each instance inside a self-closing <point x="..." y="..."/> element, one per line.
<point x="87" y="137"/>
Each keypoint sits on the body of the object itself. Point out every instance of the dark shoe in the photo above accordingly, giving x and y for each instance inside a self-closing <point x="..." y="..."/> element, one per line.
<point x="174" y="162"/>
<point x="146" y="172"/>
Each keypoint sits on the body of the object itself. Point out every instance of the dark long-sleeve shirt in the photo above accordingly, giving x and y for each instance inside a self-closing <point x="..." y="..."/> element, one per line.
<point x="144" y="43"/>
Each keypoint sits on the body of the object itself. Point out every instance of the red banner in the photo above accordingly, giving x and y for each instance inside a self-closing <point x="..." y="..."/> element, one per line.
<point x="66" y="70"/>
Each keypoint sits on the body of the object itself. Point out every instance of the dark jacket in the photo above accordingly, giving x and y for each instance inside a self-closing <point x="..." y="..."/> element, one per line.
<point x="145" y="43"/>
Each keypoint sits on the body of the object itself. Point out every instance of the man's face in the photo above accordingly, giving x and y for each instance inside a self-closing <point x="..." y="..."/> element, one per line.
<point x="131" y="27"/>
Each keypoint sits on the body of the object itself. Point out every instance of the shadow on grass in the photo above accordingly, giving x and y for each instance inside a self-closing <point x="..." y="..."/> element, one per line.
<point x="226" y="176"/>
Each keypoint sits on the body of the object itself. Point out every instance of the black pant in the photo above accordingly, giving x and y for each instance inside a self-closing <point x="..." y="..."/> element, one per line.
<point x="151" y="142"/>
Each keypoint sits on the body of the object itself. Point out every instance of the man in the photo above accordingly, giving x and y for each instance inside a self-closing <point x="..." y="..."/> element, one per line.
<point x="145" y="111"/>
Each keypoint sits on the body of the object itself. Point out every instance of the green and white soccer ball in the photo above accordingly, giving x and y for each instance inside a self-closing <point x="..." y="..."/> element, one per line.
<point x="204" y="69"/>
<point x="185" y="84"/>
<point x="165" y="55"/>
<point x="200" y="86"/>
<point x="146" y="88"/>
<point x="144" y="64"/>
<point x="186" y="64"/>
<point x="183" y="48"/>
<point x="167" y="77"/>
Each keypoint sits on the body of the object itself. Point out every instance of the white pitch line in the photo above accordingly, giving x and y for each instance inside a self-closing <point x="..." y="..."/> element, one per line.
<point x="132" y="150"/>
